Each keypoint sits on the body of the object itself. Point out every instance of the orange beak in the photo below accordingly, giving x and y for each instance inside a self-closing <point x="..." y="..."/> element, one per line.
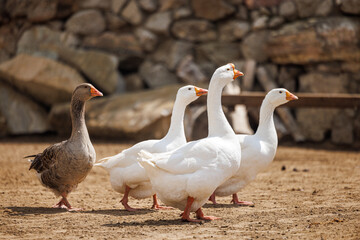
<point x="94" y="92"/>
<point x="200" y="91"/>
<point x="290" y="96"/>
<point x="237" y="73"/>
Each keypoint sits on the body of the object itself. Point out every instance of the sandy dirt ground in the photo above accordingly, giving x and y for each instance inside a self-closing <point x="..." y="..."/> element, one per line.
<point x="316" y="196"/>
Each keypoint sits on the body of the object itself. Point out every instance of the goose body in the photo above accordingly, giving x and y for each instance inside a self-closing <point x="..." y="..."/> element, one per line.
<point x="258" y="150"/>
<point x="62" y="166"/>
<point x="127" y="176"/>
<point x="185" y="177"/>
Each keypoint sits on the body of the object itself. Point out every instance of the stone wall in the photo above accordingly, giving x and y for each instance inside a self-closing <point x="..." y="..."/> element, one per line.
<point x="125" y="46"/>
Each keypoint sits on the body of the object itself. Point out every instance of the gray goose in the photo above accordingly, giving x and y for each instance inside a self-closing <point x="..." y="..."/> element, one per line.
<point x="62" y="166"/>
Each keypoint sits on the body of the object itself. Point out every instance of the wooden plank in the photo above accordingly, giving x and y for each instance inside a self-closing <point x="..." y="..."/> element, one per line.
<point x="306" y="100"/>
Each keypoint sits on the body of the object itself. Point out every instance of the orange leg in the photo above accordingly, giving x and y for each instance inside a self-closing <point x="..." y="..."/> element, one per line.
<point x="185" y="216"/>
<point x="125" y="200"/>
<point x="236" y="201"/>
<point x="212" y="198"/>
<point x="156" y="205"/>
<point x="200" y="215"/>
<point x="64" y="203"/>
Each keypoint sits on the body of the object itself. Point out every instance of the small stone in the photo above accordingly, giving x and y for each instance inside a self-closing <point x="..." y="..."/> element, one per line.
<point x="283" y="168"/>
<point x="194" y="30"/>
<point x="117" y="5"/>
<point x="312" y="8"/>
<point x="189" y="72"/>
<point x="147" y="39"/>
<point x="182" y="13"/>
<point x="288" y="9"/>
<point x="212" y="9"/>
<point x="159" y="22"/>
<point x="132" y="13"/>
<point x="156" y="74"/>
<point x="350" y="6"/>
<point x="172" y="52"/>
<point x="41" y="11"/>
<point x="148" y="5"/>
<point x="220" y="53"/>
<point x="166" y="5"/>
<point x="133" y="82"/>
<point x="86" y="22"/>
<point x="276" y="22"/>
<point x="114" y="22"/>
<point x="260" y="23"/>
<point x="254" y="45"/>
<point x="233" y="30"/>
<point x="101" y="4"/>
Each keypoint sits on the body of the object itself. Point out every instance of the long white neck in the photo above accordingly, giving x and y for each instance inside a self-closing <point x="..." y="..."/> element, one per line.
<point x="176" y="129"/>
<point x="266" y="129"/>
<point x="218" y="124"/>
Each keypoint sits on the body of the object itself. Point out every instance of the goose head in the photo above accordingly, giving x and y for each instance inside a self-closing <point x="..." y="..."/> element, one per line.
<point x="85" y="91"/>
<point x="227" y="73"/>
<point x="279" y="96"/>
<point x="190" y="93"/>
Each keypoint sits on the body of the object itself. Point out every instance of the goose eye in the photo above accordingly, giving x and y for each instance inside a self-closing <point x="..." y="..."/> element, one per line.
<point x="228" y="69"/>
<point x="280" y="92"/>
<point x="189" y="88"/>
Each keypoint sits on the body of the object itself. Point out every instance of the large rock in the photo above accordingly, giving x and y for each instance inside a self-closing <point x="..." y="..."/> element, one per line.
<point x="42" y="41"/>
<point x="194" y="30"/>
<point x="318" y="40"/>
<point x="233" y="30"/>
<point x="254" y="45"/>
<point x="159" y="22"/>
<point x="212" y="9"/>
<point x="342" y="130"/>
<point x="47" y="81"/>
<point x="19" y="114"/>
<point x="132" y="13"/>
<point x="171" y="52"/>
<point x="311" y="8"/>
<point x="318" y="82"/>
<point x="220" y="53"/>
<point x="316" y="122"/>
<point x="156" y="75"/>
<point x="86" y="22"/>
<point x="140" y="115"/>
<point x="349" y="6"/>
<point x="99" y="67"/>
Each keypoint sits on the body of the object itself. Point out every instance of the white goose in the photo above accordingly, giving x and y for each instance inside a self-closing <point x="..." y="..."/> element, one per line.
<point x="185" y="178"/>
<point x="258" y="150"/>
<point x="126" y="175"/>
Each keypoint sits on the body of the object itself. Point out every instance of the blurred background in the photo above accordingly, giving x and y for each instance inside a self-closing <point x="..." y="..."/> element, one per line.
<point x="139" y="52"/>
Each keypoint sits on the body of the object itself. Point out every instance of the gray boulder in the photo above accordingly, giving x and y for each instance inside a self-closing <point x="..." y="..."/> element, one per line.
<point x="44" y="79"/>
<point x="19" y="114"/>
<point x="212" y="9"/>
<point x="132" y="13"/>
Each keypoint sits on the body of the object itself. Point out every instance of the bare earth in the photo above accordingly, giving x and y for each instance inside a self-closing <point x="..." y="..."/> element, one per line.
<point x="317" y="196"/>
